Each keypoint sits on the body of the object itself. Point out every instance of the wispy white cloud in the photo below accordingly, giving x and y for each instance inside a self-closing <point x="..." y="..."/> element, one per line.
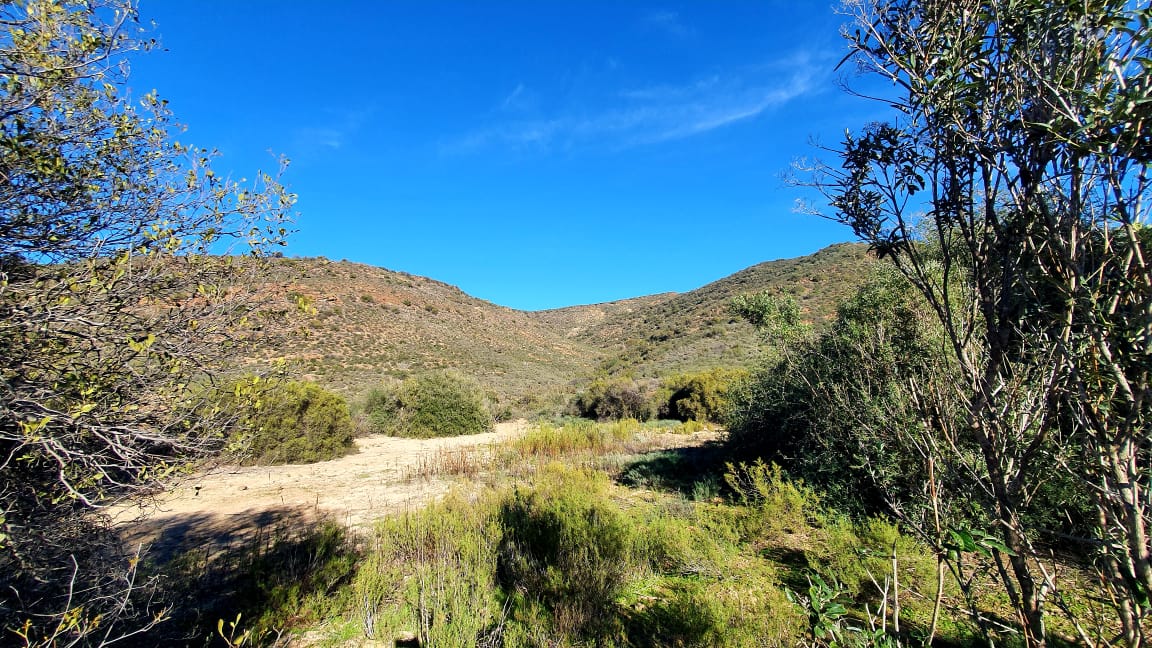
<point x="646" y="115"/>
<point x="668" y="22"/>
<point x="326" y="138"/>
<point x="331" y="133"/>
<point x="519" y="100"/>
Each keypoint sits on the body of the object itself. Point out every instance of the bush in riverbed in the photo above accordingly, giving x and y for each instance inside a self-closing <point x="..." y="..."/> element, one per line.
<point x="437" y="404"/>
<point x="291" y="422"/>
<point x="615" y="399"/>
<point x="700" y="396"/>
<point x="569" y="546"/>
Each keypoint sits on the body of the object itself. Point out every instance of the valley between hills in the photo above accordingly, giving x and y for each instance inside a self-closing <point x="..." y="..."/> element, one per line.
<point x="365" y="324"/>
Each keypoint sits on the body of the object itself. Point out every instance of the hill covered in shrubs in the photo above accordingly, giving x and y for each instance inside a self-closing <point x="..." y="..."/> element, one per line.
<point x="351" y="327"/>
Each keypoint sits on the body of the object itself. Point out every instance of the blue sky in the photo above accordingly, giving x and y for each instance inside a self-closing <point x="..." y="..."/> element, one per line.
<point x="535" y="154"/>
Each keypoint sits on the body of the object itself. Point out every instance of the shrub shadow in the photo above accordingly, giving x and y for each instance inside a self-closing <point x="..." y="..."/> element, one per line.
<point x="692" y="471"/>
<point x="253" y="568"/>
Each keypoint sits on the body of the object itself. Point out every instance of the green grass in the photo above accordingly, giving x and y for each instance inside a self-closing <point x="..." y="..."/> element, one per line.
<point x="567" y="560"/>
<point x="565" y="547"/>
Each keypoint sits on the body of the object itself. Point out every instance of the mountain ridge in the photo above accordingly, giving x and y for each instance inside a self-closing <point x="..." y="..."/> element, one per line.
<point x="363" y="324"/>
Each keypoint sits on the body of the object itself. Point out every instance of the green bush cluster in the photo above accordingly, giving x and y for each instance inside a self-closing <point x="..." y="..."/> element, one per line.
<point x="844" y="411"/>
<point x="288" y="422"/>
<point x="436" y="404"/>
<point x="563" y="562"/>
<point x="831" y="410"/>
<point x="570" y="547"/>
<point x="608" y="399"/>
<point x="568" y="558"/>
<point x="700" y="396"/>
<point x="432" y="574"/>
<point x="857" y="556"/>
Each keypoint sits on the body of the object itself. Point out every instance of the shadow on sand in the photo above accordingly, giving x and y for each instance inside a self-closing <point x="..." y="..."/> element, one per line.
<point x="259" y="564"/>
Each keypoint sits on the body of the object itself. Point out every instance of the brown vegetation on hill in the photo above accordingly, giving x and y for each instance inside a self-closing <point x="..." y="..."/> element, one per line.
<point x="356" y="325"/>
<point x="353" y="325"/>
<point x="697" y="330"/>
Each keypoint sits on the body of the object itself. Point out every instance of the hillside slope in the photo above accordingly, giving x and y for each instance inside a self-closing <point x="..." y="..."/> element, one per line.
<point x="371" y="323"/>
<point x="361" y="325"/>
<point x="696" y="330"/>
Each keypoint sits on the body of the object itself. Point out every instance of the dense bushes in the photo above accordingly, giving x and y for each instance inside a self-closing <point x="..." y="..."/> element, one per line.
<point x="701" y="396"/>
<point x="832" y="409"/>
<point x="570" y="547"/>
<point x="846" y="412"/>
<point x="436" y="404"/>
<point x="290" y="422"/>
<point x="614" y="399"/>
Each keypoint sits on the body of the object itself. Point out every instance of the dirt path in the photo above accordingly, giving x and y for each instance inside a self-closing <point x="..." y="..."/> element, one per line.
<point x="354" y="490"/>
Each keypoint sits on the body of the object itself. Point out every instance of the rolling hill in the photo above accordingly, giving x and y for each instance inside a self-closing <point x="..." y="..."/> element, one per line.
<point x="696" y="330"/>
<point x="362" y="324"/>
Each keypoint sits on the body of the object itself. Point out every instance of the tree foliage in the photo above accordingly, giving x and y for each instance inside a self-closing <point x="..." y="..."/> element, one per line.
<point x="613" y="399"/>
<point x="1022" y="145"/>
<point x="833" y="408"/>
<point x="115" y="302"/>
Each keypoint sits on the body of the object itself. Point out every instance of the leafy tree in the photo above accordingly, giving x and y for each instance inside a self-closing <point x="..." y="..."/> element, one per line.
<point x="115" y="304"/>
<point x="1022" y="146"/>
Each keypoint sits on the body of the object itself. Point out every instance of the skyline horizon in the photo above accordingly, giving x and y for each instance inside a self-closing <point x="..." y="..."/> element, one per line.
<point x="579" y="153"/>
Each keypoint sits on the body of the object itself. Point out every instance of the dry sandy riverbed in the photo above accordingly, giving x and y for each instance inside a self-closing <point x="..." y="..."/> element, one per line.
<point x="231" y="503"/>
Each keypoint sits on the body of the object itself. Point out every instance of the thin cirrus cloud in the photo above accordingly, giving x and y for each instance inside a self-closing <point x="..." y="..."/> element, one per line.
<point x="650" y="115"/>
<point x="521" y="99"/>
<point x="669" y="23"/>
<point x="331" y="135"/>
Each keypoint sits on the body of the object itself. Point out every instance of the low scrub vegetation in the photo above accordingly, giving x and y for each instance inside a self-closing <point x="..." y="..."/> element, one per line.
<point x="246" y="589"/>
<point x="436" y="404"/>
<point x="566" y="560"/>
<point x="847" y="411"/>
<point x="282" y="422"/>
<point x="565" y="547"/>
<point x="607" y="399"/>
<point x="700" y="396"/>
<point x="554" y="441"/>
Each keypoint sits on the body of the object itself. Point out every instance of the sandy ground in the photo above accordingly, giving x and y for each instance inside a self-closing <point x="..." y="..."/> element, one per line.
<point x="230" y="502"/>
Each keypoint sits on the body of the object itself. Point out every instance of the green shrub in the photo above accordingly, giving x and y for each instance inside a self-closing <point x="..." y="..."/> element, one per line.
<point x="835" y="409"/>
<point x="561" y="562"/>
<point x="615" y="399"/>
<point x="567" y="545"/>
<point x="436" y="404"/>
<point x="378" y="409"/>
<point x="845" y="412"/>
<point x="781" y="506"/>
<point x="701" y="396"/>
<point x="290" y="422"/>
<point x="859" y="555"/>
<point x="433" y="574"/>
<point x="574" y="436"/>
